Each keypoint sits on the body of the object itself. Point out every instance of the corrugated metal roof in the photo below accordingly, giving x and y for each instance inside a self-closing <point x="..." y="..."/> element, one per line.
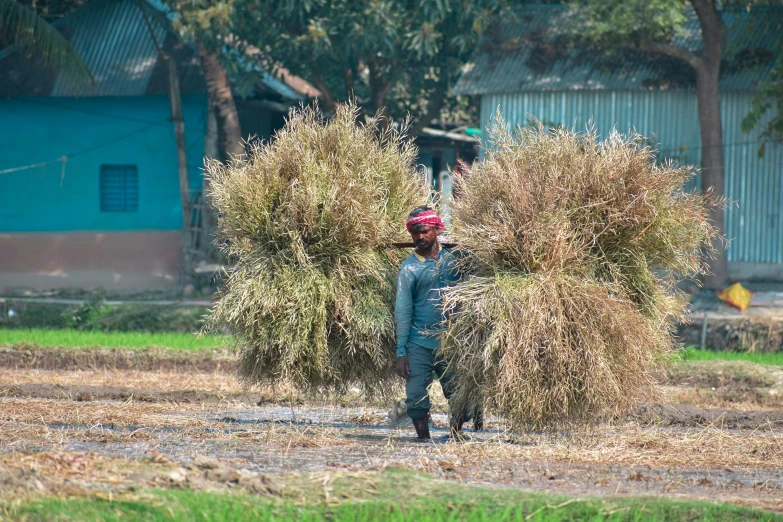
<point x="114" y="41"/>
<point x="531" y="49"/>
<point x="112" y="38"/>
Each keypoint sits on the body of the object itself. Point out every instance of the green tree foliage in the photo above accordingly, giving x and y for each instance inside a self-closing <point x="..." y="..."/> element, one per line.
<point x="766" y="110"/>
<point x="51" y="10"/>
<point x="662" y="27"/>
<point x="394" y="56"/>
<point x="615" y="25"/>
<point x="38" y="39"/>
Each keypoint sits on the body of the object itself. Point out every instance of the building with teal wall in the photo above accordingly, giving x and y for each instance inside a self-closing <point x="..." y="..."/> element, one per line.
<point x="525" y="69"/>
<point x="91" y="133"/>
<point x="89" y="183"/>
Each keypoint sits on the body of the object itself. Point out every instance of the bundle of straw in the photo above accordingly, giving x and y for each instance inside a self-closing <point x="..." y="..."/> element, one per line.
<point x="574" y="247"/>
<point x="307" y="220"/>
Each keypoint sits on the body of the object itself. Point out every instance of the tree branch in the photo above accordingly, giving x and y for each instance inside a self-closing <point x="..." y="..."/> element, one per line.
<point x="328" y="102"/>
<point x="672" y="50"/>
<point x="711" y="29"/>
<point x="380" y="84"/>
<point x="22" y="26"/>
<point x="147" y="22"/>
<point x="348" y="80"/>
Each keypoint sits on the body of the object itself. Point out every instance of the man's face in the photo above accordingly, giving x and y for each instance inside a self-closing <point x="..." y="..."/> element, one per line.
<point x="424" y="237"/>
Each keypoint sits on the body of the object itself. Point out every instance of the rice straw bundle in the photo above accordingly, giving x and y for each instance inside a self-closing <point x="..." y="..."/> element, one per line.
<point x="307" y="220"/>
<point x="574" y="246"/>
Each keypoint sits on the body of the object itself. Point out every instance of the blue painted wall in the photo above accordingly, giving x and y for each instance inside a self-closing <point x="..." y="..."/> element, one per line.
<point x="97" y="130"/>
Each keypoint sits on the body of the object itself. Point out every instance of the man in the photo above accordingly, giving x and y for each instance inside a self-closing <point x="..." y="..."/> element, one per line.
<point x="418" y="317"/>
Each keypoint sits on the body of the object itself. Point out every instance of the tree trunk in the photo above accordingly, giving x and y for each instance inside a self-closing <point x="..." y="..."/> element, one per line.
<point x="434" y="106"/>
<point x="222" y="102"/>
<point x="708" y="96"/>
<point x="326" y="101"/>
<point x="222" y="106"/>
<point x="178" y="120"/>
<point x="712" y="166"/>
<point x="380" y="85"/>
<point x="348" y="81"/>
<point x="208" y="217"/>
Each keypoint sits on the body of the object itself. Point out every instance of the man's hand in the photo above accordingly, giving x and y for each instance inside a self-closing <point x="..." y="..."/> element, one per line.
<point x="403" y="368"/>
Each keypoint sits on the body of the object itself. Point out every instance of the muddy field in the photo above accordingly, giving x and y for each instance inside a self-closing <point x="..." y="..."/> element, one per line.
<point x="109" y="422"/>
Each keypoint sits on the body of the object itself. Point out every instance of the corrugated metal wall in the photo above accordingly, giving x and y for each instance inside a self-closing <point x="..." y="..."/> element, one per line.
<point x="754" y="222"/>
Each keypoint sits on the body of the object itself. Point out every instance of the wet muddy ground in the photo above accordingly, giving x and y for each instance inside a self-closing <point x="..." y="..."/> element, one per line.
<point x="113" y="428"/>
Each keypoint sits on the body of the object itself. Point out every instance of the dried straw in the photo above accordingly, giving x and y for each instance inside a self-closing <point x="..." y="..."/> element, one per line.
<point x="308" y="219"/>
<point x="575" y="244"/>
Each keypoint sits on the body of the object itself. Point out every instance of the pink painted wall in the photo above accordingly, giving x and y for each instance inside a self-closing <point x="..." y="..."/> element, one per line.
<point x="118" y="260"/>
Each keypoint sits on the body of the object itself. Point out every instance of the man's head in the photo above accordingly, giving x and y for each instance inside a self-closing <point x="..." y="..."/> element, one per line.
<point x="424" y="226"/>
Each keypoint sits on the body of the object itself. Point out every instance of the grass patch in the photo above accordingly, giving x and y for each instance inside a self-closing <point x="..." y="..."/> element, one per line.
<point x="397" y="495"/>
<point x="81" y="339"/>
<point x="768" y="358"/>
<point x="95" y="315"/>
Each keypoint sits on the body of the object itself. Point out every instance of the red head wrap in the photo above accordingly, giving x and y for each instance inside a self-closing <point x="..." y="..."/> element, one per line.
<point x="427" y="218"/>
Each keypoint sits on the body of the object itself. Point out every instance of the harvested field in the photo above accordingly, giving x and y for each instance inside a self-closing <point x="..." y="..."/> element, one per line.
<point x="754" y="334"/>
<point x="161" y="380"/>
<point x="735" y="385"/>
<point x="30" y="356"/>
<point x="114" y="429"/>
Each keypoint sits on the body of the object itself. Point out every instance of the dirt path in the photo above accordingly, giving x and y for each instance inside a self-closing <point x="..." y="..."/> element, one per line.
<point x="120" y="393"/>
<point x="718" y="464"/>
<point x="681" y="415"/>
<point x="21" y="356"/>
<point x="101" y="428"/>
<point x="685" y="415"/>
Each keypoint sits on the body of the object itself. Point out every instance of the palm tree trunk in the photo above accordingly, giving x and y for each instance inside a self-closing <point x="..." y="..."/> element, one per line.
<point x="222" y="101"/>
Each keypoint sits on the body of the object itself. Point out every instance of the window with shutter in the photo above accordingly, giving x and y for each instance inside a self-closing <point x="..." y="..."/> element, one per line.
<point x="119" y="188"/>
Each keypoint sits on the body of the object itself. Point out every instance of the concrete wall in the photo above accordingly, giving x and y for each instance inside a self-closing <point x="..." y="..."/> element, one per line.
<point x="114" y="260"/>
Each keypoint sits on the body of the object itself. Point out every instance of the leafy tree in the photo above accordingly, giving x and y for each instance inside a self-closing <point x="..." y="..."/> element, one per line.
<point x="768" y="101"/>
<point x="41" y="42"/>
<point x="392" y="56"/>
<point x="207" y="24"/>
<point x="660" y="27"/>
<point x="52" y="10"/>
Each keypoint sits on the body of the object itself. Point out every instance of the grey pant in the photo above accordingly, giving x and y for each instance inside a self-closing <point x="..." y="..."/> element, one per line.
<point x="423" y="363"/>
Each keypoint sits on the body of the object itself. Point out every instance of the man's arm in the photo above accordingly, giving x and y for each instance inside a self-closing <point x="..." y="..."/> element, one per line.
<point x="403" y="311"/>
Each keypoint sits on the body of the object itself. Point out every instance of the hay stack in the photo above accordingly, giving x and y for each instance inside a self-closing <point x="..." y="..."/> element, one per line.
<point x="307" y="220"/>
<point x="575" y="244"/>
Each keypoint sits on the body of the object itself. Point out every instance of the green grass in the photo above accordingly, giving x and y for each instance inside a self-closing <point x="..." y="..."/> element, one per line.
<point x="473" y="505"/>
<point x="185" y="341"/>
<point x="94" y="315"/>
<point x="80" y="339"/>
<point x="768" y="358"/>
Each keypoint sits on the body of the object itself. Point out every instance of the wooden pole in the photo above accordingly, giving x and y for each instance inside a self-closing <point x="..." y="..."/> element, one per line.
<point x="175" y="102"/>
<point x="177" y="118"/>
